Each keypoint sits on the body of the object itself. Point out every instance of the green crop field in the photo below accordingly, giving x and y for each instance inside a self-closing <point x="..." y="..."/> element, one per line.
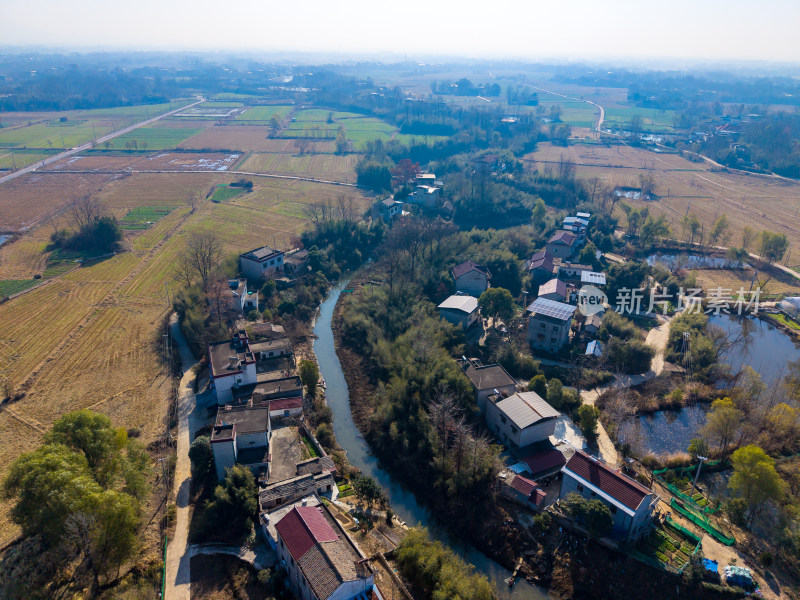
<point x="223" y="193"/>
<point x="264" y="113"/>
<point x="321" y="114"/>
<point x="156" y="138"/>
<point x="655" y="120"/>
<point x="20" y="158"/>
<point x="144" y="217"/>
<point x="14" y="286"/>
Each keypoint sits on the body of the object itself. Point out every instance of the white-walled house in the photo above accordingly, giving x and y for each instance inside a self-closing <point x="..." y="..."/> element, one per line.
<point x="549" y="324"/>
<point x="488" y="380"/>
<point x="522" y="419"/>
<point x="241" y="435"/>
<point x="631" y="503"/>
<point x="261" y="263"/>
<point x="322" y="561"/>
<point x="460" y="310"/>
<point x="562" y="244"/>
<point x="471" y="278"/>
<point x="242" y="300"/>
<point x="232" y="365"/>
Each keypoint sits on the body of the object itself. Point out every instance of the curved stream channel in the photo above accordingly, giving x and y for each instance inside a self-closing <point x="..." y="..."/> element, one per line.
<point x="402" y="500"/>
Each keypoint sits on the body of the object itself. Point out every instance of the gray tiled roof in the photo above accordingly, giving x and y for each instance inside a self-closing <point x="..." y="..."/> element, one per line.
<point x="526" y="408"/>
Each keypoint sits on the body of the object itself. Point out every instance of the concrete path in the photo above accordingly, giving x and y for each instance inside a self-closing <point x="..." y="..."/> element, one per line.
<point x="178" y="552"/>
<point x="87" y="145"/>
<point x="260" y="557"/>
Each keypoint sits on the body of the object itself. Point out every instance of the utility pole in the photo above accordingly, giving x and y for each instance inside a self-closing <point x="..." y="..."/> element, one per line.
<point x="524" y="298"/>
<point x="697" y="475"/>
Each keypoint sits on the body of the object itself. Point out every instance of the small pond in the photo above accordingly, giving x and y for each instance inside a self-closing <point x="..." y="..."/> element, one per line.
<point x="762" y="346"/>
<point x="4" y="239"/>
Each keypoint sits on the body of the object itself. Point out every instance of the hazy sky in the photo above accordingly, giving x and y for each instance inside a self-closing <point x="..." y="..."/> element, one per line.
<point x="528" y="29"/>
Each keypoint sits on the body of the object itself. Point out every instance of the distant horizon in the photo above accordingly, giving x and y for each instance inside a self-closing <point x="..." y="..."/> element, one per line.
<point x="709" y="31"/>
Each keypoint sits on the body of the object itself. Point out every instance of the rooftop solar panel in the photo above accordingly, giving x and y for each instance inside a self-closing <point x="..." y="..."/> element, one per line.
<point x="551" y="308"/>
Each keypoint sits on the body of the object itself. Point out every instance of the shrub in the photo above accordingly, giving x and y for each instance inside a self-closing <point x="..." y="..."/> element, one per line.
<point x="253" y="315"/>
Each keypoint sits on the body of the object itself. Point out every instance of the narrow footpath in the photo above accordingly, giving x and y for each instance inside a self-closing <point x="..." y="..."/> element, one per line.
<point x="179" y="553"/>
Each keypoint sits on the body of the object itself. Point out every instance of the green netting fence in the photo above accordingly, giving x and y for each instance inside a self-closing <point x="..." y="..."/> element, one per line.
<point x="712" y="465"/>
<point x="701" y="522"/>
<point x="683" y="531"/>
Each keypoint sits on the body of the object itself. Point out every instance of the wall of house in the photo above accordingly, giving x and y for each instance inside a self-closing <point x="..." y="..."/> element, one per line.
<point x="283" y="414"/>
<point x="482" y="395"/>
<point x="554" y="335"/>
<point x="537" y="432"/>
<point x="224" y="385"/>
<point x="254" y="269"/>
<point x="295" y="577"/>
<point x="459" y="318"/>
<point x="625" y="526"/>
<point x="224" y="456"/>
<point x="472" y="283"/>
<point x="559" y="250"/>
<point x="553" y="296"/>
<point x="508" y="433"/>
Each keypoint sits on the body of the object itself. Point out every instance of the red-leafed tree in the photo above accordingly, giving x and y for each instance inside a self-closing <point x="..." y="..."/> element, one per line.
<point x="405" y="171"/>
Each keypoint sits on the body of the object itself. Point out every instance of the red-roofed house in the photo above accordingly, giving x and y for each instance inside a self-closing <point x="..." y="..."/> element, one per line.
<point x="631" y="503"/>
<point x="561" y="244"/>
<point x="545" y="462"/>
<point x="471" y="278"/>
<point x="322" y="561"/>
<point x="285" y="407"/>
<point x="524" y="491"/>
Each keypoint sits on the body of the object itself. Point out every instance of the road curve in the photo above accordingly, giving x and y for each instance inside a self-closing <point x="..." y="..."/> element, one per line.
<point x="87" y="145"/>
<point x="602" y="110"/>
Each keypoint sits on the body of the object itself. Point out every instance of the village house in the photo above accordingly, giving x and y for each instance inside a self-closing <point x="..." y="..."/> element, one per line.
<point x="295" y="262"/>
<point x="242" y="301"/>
<point x="426" y="196"/>
<point x="594" y="348"/>
<point x="460" y="310"/>
<point x="425" y="179"/>
<point x="270" y="389"/>
<point x="241" y="435"/>
<point x="271" y="348"/>
<point x="593" y="278"/>
<point x="387" y="209"/>
<point x="544" y="460"/>
<point x="572" y="271"/>
<point x="549" y="324"/>
<point x="577" y="225"/>
<point x="487" y="380"/>
<point x="471" y="278"/>
<point x="521" y="419"/>
<point x="314" y="476"/>
<point x="261" y="263"/>
<point x="555" y="289"/>
<point x="232" y="365"/>
<point x="322" y="561"/>
<point x="562" y="244"/>
<point x="592" y="324"/>
<point x="522" y="490"/>
<point x="631" y="503"/>
<point x="541" y="267"/>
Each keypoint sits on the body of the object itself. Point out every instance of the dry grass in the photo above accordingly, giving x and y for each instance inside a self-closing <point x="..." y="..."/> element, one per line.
<point x="169" y="161"/>
<point x="747" y="200"/>
<point x="28" y="199"/>
<point x="734" y="279"/>
<point x="323" y="166"/>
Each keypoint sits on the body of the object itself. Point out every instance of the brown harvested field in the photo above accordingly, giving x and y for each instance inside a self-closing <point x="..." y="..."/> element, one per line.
<point x="685" y="186"/>
<point x="28" y="199"/>
<point x="24" y="257"/>
<point x="323" y="166"/>
<point x="734" y="279"/>
<point x="89" y="338"/>
<point x="168" y="161"/>
<point x="247" y="138"/>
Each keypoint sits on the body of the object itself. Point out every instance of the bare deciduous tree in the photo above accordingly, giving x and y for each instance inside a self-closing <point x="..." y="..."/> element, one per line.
<point x="84" y="211"/>
<point x="216" y="292"/>
<point x="203" y="252"/>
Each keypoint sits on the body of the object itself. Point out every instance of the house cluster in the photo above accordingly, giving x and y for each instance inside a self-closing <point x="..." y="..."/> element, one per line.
<point x="259" y="402"/>
<point x="427" y="194"/>
<point x="526" y="425"/>
<point x="556" y="279"/>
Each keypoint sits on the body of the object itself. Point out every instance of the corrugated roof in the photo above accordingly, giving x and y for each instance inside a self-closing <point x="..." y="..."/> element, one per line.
<point x="623" y="489"/>
<point x="544" y="461"/>
<point x="463" y="303"/>
<point x="526" y="408"/>
<point x="286" y="403"/>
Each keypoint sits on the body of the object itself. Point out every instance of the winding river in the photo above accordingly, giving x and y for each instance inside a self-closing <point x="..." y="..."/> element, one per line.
<point x="403" y="502"/>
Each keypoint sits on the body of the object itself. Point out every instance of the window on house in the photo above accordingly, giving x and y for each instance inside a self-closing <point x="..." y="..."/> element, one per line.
<point x="503" y="419"/>
<point x="513" y="429"/>
<point x="554" y="340"/>
<point x="614" y="511"/>
<point x="542" y="325"/>
<point x="580" y="487"/>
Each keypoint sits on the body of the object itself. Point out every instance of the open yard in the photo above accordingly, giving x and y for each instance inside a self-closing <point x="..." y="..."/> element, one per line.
<point x="684" y="186"/>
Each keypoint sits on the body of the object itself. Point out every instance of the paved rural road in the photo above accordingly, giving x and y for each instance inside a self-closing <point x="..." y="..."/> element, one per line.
<point x="179" y="552"/>
<point x="88" y="145"/>
<point x="602" y="110"/>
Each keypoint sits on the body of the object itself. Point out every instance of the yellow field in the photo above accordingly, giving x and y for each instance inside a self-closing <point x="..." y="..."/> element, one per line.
<point x="90" y="338"/>
<point x="684" y="186"/>
<point x="734" y="279"/>
<point x="324" y="166"/>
